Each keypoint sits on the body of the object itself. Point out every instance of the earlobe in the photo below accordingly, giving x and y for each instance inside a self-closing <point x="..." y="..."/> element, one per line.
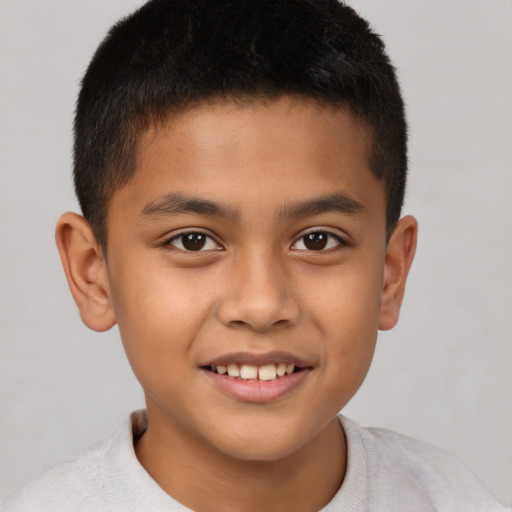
<point x="399" y="255"/>
<point x="86" y="272"/>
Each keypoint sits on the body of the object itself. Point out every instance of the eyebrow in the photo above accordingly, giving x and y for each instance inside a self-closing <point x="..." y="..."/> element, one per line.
<point x="338" y="202"/>
<point x="174" y="204"/>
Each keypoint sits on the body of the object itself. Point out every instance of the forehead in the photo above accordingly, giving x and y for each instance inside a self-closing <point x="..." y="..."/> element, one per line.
<point x="234" y="153"/>
<point x="228" y="124"/>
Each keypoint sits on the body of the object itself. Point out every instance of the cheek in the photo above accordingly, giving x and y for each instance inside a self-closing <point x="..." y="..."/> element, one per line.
<point x="350" y="327"/>
<point x="159" y="313"/>
<point x="346" y="311"/>
<point x="347" y="300"/>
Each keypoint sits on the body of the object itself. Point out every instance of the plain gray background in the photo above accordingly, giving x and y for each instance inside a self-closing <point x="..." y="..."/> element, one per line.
<point x="443" y="375"/>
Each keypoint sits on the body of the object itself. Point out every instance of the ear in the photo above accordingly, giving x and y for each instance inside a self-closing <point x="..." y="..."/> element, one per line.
<point x="399" y="255"/>
<point x="86" y="271"/>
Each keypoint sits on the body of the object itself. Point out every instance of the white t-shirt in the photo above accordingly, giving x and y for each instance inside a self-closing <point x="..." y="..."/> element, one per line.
<point x="386" y="472"/>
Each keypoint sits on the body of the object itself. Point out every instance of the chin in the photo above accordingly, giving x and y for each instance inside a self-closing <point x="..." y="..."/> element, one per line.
<point x="259" y="444"/>
<point x="266" y="451"/>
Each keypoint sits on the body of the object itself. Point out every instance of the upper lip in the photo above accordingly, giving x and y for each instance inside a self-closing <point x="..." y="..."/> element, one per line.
<point x="257" y="359"/>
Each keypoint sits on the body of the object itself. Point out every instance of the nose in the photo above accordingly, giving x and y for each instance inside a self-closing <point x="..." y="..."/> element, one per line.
<point x="258" y="295"/>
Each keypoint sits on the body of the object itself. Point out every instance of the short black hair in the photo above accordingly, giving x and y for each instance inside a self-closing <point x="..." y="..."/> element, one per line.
<point x="170" y="55"/>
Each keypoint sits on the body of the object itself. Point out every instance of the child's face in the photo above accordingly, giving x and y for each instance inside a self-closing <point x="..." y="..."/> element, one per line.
<point x="248" y="184"/>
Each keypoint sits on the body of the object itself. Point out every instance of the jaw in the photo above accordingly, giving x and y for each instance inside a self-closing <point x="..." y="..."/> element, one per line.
<point x="270" y="476"/>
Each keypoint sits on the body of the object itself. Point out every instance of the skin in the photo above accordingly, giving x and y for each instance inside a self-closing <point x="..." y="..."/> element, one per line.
<point x="254" y="288"/>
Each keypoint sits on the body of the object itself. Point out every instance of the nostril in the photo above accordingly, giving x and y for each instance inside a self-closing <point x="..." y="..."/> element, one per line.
<point x="260" y="311"/>
<point x="238" y="323"/>
<point x="241" y="324"/>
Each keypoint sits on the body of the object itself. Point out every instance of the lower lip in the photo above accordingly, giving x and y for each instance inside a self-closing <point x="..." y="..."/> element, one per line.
<point x="257" y="391"/>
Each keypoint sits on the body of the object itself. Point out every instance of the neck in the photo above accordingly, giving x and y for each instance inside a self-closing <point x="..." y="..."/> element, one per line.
<point x="203" y="479"/>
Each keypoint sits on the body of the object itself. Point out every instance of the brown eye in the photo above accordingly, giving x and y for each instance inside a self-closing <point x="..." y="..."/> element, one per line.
<point x="317" y="241"/>
<point x="193" y="241"/>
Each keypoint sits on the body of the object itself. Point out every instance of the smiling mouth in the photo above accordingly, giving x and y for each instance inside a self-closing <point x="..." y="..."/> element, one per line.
<point x="257" y="378"/>
<point x="265" y="372"/>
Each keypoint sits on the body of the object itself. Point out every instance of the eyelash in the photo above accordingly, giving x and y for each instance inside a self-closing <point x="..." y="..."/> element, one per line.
<point x="339" y="242"/>
<point x="180" y="236"/>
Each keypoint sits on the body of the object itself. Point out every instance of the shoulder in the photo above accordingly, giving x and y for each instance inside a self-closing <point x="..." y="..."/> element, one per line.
<point x="104" y="477"/>
<point x="67" y="484"/>
<point x="400" y="469"/>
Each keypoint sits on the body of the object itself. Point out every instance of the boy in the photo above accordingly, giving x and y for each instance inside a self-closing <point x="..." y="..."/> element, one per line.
<point x="241" y="166"/>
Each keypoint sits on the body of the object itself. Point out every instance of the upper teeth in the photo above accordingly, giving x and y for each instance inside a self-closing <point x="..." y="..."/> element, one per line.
<point x="249" y="371"/>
